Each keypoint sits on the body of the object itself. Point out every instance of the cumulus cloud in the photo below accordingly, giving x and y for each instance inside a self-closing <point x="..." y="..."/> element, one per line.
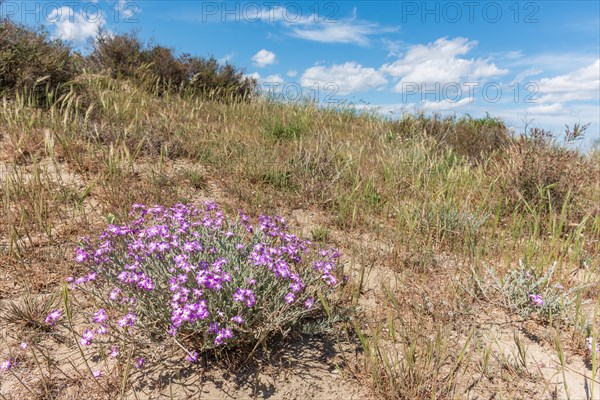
<point x="349" y="77"/>
<point x="264" y="58"/>
<point x="582" y="84"/>
<point x="75" y="26"/>
<point x="441" y="62"/>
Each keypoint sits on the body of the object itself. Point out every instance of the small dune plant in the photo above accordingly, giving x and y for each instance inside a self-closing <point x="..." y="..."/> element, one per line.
<point x="528" y="292"/>
<point x="191" y="275"/>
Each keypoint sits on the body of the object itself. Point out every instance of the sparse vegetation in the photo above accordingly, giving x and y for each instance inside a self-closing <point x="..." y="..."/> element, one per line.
<point x="422" y="210"/>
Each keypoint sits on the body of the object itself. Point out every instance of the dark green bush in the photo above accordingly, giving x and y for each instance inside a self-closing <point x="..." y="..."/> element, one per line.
<point x="220" y="82"/>
<point x="169" y="74"/>
<point x="117" y="55"/>
<point x="156" y="66"/>
<point x="31" y="61"/>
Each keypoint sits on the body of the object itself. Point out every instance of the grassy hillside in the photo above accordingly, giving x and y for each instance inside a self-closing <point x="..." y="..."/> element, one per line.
<point x="447" y="226"/>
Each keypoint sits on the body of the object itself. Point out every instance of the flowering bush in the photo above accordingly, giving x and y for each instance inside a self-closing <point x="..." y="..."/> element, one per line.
<point x="206" y="281"/>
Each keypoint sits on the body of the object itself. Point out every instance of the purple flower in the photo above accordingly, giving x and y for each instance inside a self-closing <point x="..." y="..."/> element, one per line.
<point x="7" y="364"/>
<point x="100" y="316"/>
<point x="238" y="295"/>
<point x="238" y="319"/>
<point x="289" y="298"/>
<point x="114" y="351"/>
<point x="213" y="327"/>
<point x="102" y="330"/>
<point x="81" y="255"/>
<point x="296" y="286"/>
<point x="192" y="356"/>
<point x="589" y="344"/>
<point x="87" y="337"/>
<point x="250" y="299"/>
<point x="329" y="279"/>
<point x="24" y="346"/>
<point x="309" y="303"/>
<point x="536" y="300"/>
<point x="127" y="320"/>
<point x="97" y="374"/>
<point x="139" y="363"/>
<point x="114" y="294"/>
<point x="222" y="335"/>
<point x="245" y="295"/>
<point x="54" y="316"/>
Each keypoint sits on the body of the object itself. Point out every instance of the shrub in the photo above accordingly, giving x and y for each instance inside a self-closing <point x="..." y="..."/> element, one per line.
<point x="209" y="282"/>
<point x="30" y="61"/>
<point x="126" y="56"/>
<point x="545" y="176"/>
<point x="170" y="73"/>
<point x="209" y="79"/>
<point x="117" y="55"/>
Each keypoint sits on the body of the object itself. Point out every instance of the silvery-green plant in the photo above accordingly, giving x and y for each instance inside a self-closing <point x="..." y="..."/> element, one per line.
<point x="526" y="292"/>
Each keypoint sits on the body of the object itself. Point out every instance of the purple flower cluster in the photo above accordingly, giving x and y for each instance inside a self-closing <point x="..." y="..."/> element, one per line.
<point x="246" y="296"/>
<point x="191" y="271"/>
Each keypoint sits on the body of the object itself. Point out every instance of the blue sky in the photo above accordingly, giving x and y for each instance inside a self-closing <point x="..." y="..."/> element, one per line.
<point x="536" y="61"/>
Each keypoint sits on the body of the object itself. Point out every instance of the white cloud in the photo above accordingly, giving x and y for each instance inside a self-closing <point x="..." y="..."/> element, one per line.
<point x="127" y="9"/>
<point x="273" y="80"/>
<point x="546" y="109"/>
<point x="226" y="58"/>
<point x="292" y="73"/>
<point x="320" y="28"/>
<point x="394" y="47"/>
<point x="345" y="31"/>
<point x="443" y="105"/>
<point x="75" y="26"/>
<point x="582" y="84"/>
<point x="264" y="58"/>
<point x="558" y="63"/>
<point x="349" y="77"/>
<point x="440" y="62"/>
<point x="520" y="78"/>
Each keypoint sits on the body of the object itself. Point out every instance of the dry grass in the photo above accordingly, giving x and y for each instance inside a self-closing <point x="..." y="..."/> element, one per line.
<point x="420" y="218"/>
